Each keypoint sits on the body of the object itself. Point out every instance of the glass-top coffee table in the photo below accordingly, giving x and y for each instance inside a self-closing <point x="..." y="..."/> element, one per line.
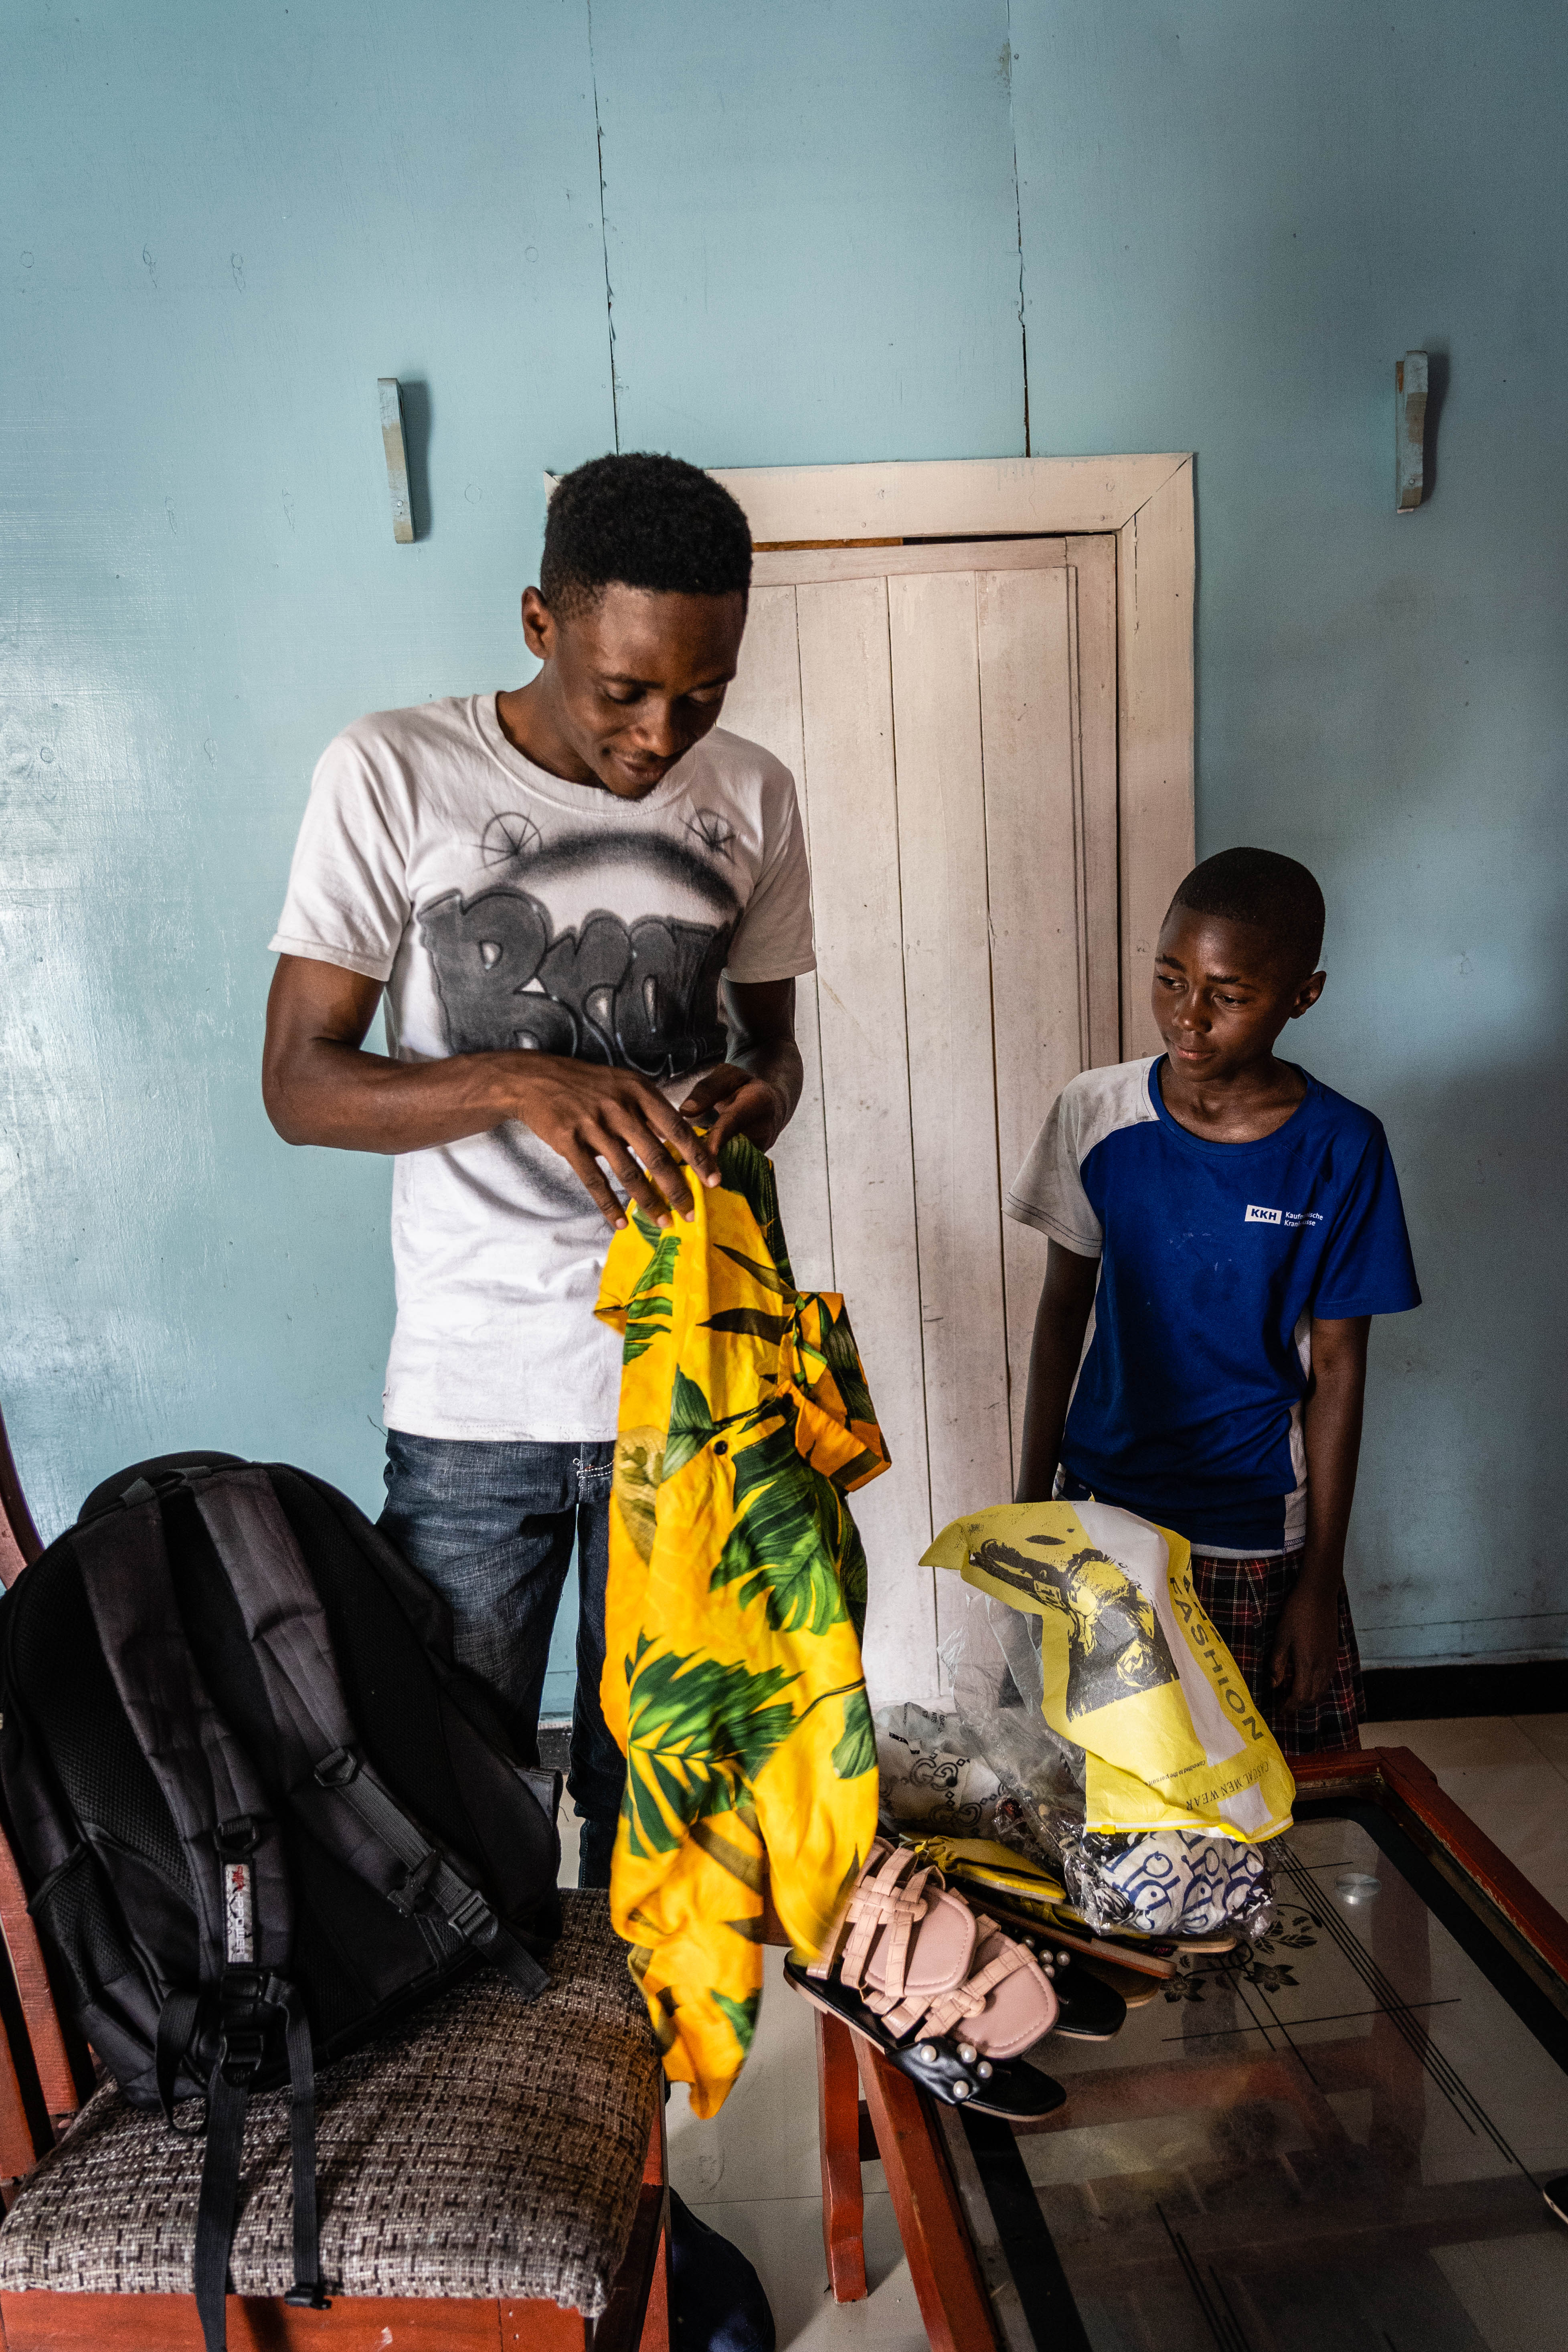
<point x="1336" y="2139"/>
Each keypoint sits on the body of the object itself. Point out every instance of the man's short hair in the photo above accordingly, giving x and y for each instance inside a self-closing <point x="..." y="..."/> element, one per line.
<point x="1258" y="886"/>
<point x="647" y="521"/>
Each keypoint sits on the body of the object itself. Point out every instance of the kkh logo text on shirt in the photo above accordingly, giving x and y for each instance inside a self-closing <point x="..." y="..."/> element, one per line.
<point x="1290" y="1217"/>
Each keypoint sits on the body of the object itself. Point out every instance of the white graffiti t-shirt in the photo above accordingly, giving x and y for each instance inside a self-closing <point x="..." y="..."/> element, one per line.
<point x="503" y="907"/>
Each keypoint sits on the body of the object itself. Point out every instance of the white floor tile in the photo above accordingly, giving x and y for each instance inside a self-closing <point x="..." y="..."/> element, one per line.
<point x="1509" y="2286"/>
<point x="1466" y="1740"/>
<point x="1501" y="1775"/>
<point x="1549" y="1733"/>
<point x="781" y="2236"/>
<point x="762" y="2143"/>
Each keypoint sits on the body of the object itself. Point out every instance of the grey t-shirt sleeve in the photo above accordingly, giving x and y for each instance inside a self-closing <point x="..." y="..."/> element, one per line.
<point x="773" y="938"/>
<point x="1047" y="1191"/>
<point x="348" y="900"/>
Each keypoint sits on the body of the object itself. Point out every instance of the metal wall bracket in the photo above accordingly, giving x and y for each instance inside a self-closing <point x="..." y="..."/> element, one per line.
<point x="1409" y="431"/>
<point x="398" y="457"/>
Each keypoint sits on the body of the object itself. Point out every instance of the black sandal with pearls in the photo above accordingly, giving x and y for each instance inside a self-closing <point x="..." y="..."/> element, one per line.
<point x="945" y="1996"/>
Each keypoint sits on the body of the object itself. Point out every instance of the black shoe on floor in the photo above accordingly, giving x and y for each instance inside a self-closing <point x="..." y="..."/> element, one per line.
<point x="716" y="2297"/>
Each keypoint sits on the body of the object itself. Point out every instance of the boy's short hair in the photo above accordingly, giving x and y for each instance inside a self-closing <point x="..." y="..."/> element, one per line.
<point x="647" y="521"/>
<point x="1258" y="886"/>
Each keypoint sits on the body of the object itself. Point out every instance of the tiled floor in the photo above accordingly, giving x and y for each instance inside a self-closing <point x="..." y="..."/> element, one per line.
<point x="752" y="2174"/>
<point x="1510" y="1775"/>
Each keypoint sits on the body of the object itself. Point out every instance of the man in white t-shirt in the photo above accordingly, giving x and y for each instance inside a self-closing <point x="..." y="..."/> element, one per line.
<point x="586" y="907"/>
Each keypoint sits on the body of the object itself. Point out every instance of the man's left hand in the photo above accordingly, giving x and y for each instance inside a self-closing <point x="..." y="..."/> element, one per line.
<point x="740" y="1103"/>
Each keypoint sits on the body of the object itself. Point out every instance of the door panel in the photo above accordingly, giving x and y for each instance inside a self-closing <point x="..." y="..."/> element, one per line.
<point x="949" y="717"/>
<point x="847" y="721"/>
<point x="763" y="704"/>
<point x="935" y="637"/>
<point x="1093" y="673"/>
<point x="1035" y="901"/>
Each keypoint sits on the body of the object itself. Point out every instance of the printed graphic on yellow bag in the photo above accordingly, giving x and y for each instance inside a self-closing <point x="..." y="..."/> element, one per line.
<point x="732" y="1616"/>
<point x="1134" y="1673"/>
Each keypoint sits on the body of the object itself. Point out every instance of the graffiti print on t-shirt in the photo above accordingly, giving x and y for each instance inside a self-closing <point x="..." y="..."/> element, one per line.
<point x="642" y="996"/>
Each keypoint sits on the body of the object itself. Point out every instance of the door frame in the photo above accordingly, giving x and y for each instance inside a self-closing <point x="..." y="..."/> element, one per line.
<point x="1146" y="504"/>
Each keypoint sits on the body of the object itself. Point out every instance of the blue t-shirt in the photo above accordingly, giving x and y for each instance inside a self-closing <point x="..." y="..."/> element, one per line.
<point x="1214" y="1258"/>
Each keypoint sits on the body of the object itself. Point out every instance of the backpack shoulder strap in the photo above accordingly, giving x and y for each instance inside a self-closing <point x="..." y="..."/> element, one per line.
<point x="208" y="1781"/>
<point x="336" y="1789"/>
<point x="283" y="1616"/>
<point x="235" y="1859"/>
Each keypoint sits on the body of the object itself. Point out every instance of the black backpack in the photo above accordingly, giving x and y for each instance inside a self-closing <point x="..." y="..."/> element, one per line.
<point x="261" y="1812"/>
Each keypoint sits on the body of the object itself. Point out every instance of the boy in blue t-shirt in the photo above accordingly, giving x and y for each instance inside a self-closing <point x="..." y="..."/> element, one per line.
<point x="1231" y="1225"/>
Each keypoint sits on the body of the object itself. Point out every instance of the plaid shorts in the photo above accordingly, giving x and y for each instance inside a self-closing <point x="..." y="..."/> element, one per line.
<point x="1244" y="1599"/>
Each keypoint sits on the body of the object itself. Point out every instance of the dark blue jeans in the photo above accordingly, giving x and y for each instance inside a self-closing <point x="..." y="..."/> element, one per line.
<point x="492" y="1526"/>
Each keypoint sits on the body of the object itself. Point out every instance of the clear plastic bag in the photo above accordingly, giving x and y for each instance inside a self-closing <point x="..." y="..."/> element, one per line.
<point x="928" y="1781"/>
<point x="1155" y="1883"/>
<point x="993" y="1661"/>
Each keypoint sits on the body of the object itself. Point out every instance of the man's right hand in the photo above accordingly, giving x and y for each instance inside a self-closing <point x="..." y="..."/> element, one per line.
<point x="321" y="1086"/>
<point x="589" y="1114"/>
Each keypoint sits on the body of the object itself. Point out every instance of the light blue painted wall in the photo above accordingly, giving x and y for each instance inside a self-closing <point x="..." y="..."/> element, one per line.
<point x="811" y="229"/>
<point x="221" y="227"/>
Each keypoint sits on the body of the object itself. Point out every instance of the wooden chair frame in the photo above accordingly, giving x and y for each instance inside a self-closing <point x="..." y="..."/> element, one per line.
<point x="19" y="1544"/>
<point x="868" y="2110"/>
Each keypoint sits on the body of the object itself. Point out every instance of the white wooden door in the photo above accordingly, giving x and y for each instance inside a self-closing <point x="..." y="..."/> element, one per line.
<point x="949" y="713"/>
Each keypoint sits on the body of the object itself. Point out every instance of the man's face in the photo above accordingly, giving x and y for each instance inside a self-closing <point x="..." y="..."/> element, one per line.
<point x="637" y="678"/>
<point x="1222" y="993"/>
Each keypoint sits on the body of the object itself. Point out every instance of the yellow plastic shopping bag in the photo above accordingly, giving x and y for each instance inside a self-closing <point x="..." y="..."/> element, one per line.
<point x="1133" y="1672"/>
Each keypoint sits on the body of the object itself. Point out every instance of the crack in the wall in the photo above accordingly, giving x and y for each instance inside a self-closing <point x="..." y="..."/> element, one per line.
<point x="605" y="235"/>
<point x="1007" y="62"/>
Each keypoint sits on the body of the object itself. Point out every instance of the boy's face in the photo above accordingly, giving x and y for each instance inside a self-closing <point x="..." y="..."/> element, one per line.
<point x="634" y="680"/>
<point x="1222" y="991"/>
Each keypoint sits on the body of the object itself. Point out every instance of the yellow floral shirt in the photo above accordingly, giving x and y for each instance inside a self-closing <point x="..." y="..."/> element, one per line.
<point x="732" y="1617"/>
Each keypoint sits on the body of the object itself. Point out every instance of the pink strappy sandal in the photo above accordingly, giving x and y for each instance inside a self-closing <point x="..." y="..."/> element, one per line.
<point x="946" y="1996"/>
